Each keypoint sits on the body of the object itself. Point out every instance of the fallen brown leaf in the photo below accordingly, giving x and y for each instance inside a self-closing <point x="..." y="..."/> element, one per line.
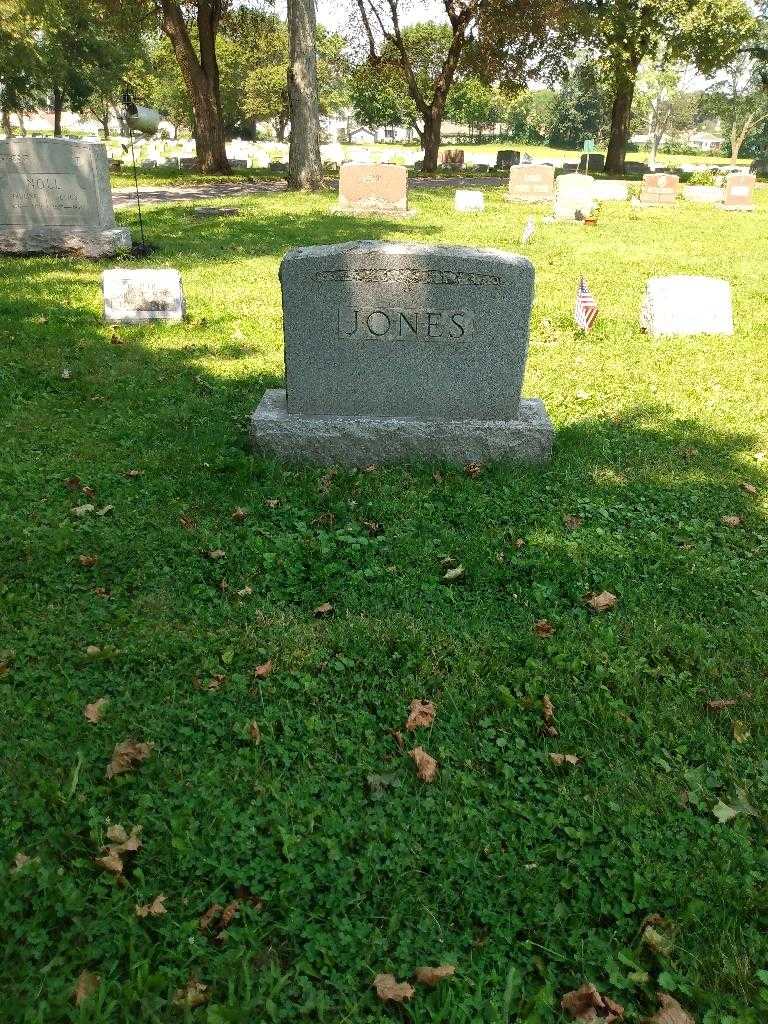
<point x="187" y="522"/>
<point x="245" y="592"/>
<point x="543" y="627"/>
<point x="101" y="592"/>
<point x="215" y="554"/>
<point x="20" y="861"/>
<point x="223" y="586"/>
<point x="398" y="738"/>
<point x="323" y="610"/>
<point x="127" y="755"/>
<point x="434" y="975"/>
<point x="422" y="715"/>
<point x="87" y="561"/>
<point x="227" y="915"/>
<point x="426" y="766"/>
<point x="731" y="521"/>
<point x="239" y="514"/>
<point x="262" y="671"/>
<point x="88" y="491"/>
<point x="121" y="841"/>
<point x="153" y="909"/>
<point x="586" y="1003"/>
<point x="374" y="529"/>
<point x="110" y="862"/>
<point x="573" y="522"/>
<point x="93" y="712"/>
<point x="193" y="994"/>
<point x="560" y="759"/>
<point x="548" y="714"/>
<point x="82" y="510"/>
<point x="254" y="732"/>
<point x="670" y="1012"/>
<point x="215" y="683"/>
<point x="602" y="602"/>
<point x="208" y="917"/>
<point x="106" y="510"/>
<point x="389" y="989"/>
<point x="721" y="703"/>
<point x="272" y="502"/>
<point x="85" y="986"/>
<point x="748" y="488"/>
<point x="131" y="474"/>
<point x="73" y="483"/>
<point x="740" y="731"/>
<point x="473" y="469"/>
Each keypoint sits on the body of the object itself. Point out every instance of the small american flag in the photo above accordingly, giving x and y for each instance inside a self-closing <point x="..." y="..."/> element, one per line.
<point x="585" y="312"/>
<point x="528" y="231"/>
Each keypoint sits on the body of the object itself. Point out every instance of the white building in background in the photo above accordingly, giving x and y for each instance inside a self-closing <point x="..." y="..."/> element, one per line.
<point x="707" y="142"/>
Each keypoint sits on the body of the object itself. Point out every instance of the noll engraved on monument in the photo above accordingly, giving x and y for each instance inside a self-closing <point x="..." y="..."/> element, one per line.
<point x="42" y="198"/>
<point x="394" y="351"/>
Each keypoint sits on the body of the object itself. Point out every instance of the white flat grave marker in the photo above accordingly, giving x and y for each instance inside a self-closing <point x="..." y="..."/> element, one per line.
<point x="683" y="305"/>
<point x="469" y="201"/>
<point x="135" y="296"/>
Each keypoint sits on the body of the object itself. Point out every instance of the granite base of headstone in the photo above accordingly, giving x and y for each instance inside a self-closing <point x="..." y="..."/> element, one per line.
<point x="397" y="352"/>
<point x="55" y="198"/>
<point x="137" y="296"/>
<point x="684" y="305"/>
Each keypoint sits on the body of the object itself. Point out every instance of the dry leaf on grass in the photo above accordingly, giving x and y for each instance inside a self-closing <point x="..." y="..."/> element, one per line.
<point x="88" y="561"/>
<point x="398" y="738"/>
<point x="120" y="843"/>
<point x="434" y="975"/>
<point x="548" y="714"/>
<point x="422" y="715"/>
<point x="227" y="915"/>
<point x="561" y="759"/>
<point x="389" y="989"/>
<point x="187" y="522"/>
<point x="323" y="610"/>
<point x="93" y="712"/>
<point x="127" y="755"/>
<point x="456" y="575"/>
<point x="82" y="510"/>
<point x="93" y="650"/>
<point x="73" y="483"/>
<point x="239" y="514"/>
<point x="254" y="732"/>
<point x="721" y="703"/>
<point x="272" y="502"/>
<point x="153" y="909"/>
<point x="732" y="521"/>
<point x="245" y="592"/>
<point x="106" y="510"/>
<point x="20" y="861"/>
<point x="85" y="986"/>
<point x="748" y="488"/>
<point x="426" y="766"/>
<point x="193" y="994"/>
<point x="740" y="731"/>
<point x="473" y="469"/>
<point x="543" y="627"/>
<point x="601" y="602"/>
<point x="131" y="474"/>
<point x="262" y="671"/>
<point x="207" y="918"/>
<point x="374" y="529"/>
<point x="586" y="1003"/>
<point x="573" y="522"/>
<point x="216" y="554"/>
<point x="214" y="683"/>
<point x="670" y="1012"/>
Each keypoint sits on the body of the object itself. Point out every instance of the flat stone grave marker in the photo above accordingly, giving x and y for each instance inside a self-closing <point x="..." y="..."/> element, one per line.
<point x="531" y="183"/>
<point x="215" y="211"/>
<point x="703" y="193"/>
<point x="607" y="191"/>
<point x="659" y="189"/>
<point x="574" y="196"/>
<point x="506" y="158"/>
<point x="55" y="198"/>
<point x="135" y="296"/>
<point x="738" y="191"/>
<point x="685" y="305"/>
<point x="373" y="188"/>
<point x="452" y="158"/>
<point x="469" y="200"/>
<point x="397" y="351"/>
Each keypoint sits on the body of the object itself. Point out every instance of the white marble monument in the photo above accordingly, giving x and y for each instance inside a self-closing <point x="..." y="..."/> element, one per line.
<point x="683" y="305"/>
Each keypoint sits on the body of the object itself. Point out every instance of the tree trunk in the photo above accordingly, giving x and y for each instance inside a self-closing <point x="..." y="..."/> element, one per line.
<point x="430" y="138"/>
<point x="5" y="119"/>
<point x="105" y="123"/>
<point x="620" y="115"/>
<point x="22" y="126"/>
<point x="201" y="78"/>
<point x="58" y="105"/>
<point x="305" y="170"/>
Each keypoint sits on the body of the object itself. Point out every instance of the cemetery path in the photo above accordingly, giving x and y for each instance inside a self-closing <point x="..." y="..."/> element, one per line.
<point x="153" y="194"/>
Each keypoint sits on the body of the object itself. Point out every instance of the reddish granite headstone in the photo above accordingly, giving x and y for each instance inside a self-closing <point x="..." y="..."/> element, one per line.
<point x="531" y="183"/>
<point x="738" y="191"/>
<point x="452" y="157"/>
<point x="373" y="187"/>
<point x="659" y="189"/>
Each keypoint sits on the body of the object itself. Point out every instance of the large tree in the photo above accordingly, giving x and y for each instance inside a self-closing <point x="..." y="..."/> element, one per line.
<point x="662" y="101"/>
<point x="305" y="169"/>
<point x="505" y="30"/>
<point x="705" y="33"/>
<point x="740" y="101"/>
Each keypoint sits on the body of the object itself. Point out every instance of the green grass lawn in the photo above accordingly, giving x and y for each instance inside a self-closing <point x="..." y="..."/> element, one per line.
<point x="530" y="878"/>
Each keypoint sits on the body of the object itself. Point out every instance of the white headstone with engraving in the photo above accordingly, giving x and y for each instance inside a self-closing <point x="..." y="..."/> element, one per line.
<point x="135" y="296"/>
<point x="687" y="305"/>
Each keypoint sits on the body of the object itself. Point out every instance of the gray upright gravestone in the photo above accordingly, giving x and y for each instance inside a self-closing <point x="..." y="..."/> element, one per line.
<point x="55" y="198"/>
<point x="400" y="351"/>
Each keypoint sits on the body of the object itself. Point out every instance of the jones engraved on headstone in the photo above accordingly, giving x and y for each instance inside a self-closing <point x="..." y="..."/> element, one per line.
<point x="373" y="188"/>
<point x="395" y="351"/>
<point x="683" y="305"/>
<point x="55" y="198"/>
<point x="135" y="296"/>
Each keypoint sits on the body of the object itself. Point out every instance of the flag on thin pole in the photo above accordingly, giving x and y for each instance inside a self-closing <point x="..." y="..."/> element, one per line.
<point x="585" y="312"/>
<point x="528" y="231"/>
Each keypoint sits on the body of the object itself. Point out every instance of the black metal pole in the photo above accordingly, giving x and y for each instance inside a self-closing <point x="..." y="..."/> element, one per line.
<point x="136" y="183"/>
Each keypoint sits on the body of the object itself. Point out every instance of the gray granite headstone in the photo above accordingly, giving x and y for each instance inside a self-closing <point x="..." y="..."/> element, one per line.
<point x="55" y="198"/>
<point x="506" y="158"/>
<point x="397" y="351"/>
<point x="135" y="296"/>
